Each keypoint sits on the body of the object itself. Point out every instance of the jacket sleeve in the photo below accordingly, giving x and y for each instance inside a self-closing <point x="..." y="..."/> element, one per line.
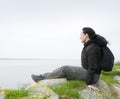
<point x="92" y="56"/>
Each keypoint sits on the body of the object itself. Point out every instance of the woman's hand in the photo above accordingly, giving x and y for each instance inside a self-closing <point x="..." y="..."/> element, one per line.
<point x="91" y="87"/>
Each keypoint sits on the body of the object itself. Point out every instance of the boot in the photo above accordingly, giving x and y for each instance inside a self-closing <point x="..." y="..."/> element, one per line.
<point x="37" y="78"/>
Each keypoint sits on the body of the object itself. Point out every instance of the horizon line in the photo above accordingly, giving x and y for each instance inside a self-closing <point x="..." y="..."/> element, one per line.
<point x="33" y="58"/>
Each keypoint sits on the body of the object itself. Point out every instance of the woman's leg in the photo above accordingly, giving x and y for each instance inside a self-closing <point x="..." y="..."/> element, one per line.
<point x="75" y="72"/>
<point x="57" y="73"/>
<point x="68" y="72"/>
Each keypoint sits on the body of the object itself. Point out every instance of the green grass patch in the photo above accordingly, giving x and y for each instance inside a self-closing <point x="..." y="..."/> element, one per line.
<point x="70" y="88"/>
<point x="108" y="79"/>
<point x="108" y="76"/>
<point x="20" y="93"/>
<point x="15" y="93"/>
<point x="117" y="63"/>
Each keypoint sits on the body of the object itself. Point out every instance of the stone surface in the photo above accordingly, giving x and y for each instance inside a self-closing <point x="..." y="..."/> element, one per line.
<point x="52" y="82"/>
<point x="42" y="89"/>
<point x="43" y="92"/>
<point x="115" y="90"/>
<point x="2" y="95"/>
<point x="117" y="78"/>
<point x="104" y="92"/>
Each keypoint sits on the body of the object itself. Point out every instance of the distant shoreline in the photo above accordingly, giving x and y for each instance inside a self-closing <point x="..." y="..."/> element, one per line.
<point x="39" y="59"/>
<point x="18" y="59"/>
<point x="117" y="60"/>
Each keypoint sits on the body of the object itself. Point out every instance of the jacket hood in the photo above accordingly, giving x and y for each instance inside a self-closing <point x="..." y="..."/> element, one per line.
<point x="98" y="39"/>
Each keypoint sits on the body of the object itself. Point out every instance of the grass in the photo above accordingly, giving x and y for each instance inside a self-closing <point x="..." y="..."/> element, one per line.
<point x="70" y="89"/>
<point x="20" y="93"/>
<point x="16" y="94"/>
<point x="108" y="76"/>
<point x="117" y="63"/>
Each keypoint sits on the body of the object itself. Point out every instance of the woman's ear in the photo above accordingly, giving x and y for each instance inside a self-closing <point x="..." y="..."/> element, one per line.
<point x="87" y="36"/>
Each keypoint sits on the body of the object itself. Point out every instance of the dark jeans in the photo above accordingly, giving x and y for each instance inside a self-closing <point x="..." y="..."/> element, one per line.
<point x="70" y="73"/>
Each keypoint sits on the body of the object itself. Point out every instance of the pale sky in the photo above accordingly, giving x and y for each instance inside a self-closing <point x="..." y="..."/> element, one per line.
<point x="51" y="28"/>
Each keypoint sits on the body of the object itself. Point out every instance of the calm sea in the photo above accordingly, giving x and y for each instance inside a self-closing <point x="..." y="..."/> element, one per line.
<point x="15" y="72"/>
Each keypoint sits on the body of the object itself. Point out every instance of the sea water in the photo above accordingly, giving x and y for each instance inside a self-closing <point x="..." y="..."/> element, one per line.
<point x="16" y="72"/>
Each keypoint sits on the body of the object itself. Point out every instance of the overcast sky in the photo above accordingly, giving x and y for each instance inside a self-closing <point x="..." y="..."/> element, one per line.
<point x="51" y="28"/>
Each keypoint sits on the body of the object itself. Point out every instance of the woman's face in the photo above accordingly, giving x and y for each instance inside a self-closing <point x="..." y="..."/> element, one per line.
<point x="84" y="37"/>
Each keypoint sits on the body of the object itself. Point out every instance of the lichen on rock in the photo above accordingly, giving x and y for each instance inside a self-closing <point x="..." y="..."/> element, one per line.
<point x="42" y="89"/>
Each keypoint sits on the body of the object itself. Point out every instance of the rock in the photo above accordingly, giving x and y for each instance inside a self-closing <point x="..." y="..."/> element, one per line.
<point x="42" y="89"/>
<point x="2" y="95"/>
<point x="42" y="92"/>
<point x="115" y="90"/>
<point x="117" y="78"/>
<point x="104" y="92"/>
<point x="52" y="82"/>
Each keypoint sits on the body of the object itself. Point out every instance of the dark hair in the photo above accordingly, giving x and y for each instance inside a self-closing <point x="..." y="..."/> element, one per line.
<point x="91" y="33"/>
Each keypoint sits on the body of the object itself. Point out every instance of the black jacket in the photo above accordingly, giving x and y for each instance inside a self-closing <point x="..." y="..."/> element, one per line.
<point x="91" y="55"/>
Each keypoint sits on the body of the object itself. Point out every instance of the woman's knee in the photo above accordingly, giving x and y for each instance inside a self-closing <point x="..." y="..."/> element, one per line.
<point x="66" y="68"/>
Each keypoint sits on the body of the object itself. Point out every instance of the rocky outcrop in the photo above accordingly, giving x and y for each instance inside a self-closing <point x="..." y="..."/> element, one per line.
<point x="42" y="90"/>
<point x="104" y="93"/>
<point x="111" y="91"/>
<point x="115" y="88"/>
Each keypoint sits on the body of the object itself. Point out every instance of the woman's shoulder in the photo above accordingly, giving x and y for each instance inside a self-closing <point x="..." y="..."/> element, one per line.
<point x="92" y="47"/>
